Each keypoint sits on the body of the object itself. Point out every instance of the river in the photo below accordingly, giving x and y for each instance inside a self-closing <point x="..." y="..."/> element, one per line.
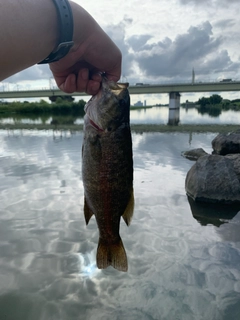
<point x="148" y="115"/>
<point x="182" y="265"/>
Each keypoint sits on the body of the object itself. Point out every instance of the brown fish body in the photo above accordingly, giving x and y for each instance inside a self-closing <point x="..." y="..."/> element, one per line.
<point x="108" y="170"/>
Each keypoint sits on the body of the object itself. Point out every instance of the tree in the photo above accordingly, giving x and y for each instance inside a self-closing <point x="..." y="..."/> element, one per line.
<point x="203" y="101"/>
<point x="215" y="99"/>
<point x="59" y="100"/>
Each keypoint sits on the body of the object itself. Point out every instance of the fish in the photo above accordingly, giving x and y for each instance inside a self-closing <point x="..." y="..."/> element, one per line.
<point x="107" y="170"/>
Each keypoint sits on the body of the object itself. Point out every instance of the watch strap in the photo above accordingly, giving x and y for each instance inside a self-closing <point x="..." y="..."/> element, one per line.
<point x="65" y="25"/>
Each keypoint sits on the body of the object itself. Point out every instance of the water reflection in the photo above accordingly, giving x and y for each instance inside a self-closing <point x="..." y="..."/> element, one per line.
<point x="89" y="268"/>
<point x="174" y="117"/>
<point x="145" y="115"/>
<point x="178" y="269"/>
<point x="210" y="213"/>
<point x="230" y="232"/>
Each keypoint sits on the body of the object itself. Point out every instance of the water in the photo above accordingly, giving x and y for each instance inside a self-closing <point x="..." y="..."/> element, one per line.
<point x="159" y="115"/>
<point x="154" y="115"/>
<point x="180" y="267"/>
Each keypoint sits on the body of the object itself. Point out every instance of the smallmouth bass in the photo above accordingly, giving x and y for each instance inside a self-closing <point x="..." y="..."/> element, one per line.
<point x="107" y="170"/>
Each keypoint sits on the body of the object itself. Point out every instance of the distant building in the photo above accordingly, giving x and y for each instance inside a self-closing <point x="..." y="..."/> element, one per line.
<point x="138" y="104"/>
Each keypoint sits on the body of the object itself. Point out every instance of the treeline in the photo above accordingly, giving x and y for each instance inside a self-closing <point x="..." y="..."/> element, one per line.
<point x="60" y="107"/>
<point x="214" y="99"/>
<point x="215" y="104"/>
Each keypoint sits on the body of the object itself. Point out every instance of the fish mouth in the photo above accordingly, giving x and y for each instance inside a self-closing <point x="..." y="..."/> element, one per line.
<point x="115" y="87"/>
<point x="90" y="108"/>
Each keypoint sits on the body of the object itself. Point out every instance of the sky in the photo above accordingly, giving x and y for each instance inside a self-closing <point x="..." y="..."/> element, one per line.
<point x="161" y="42"/>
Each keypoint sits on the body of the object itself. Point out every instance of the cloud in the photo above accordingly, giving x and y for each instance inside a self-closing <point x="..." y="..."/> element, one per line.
<point x="175" y="58"/>
<point x="209" y="2"/>
<point x="206" y="49"/>
<point x="139" y="41"/>
<point x="118" y="33"/>
<point x="36" y="72"/>
<point x="224" y="23"/>
<point x="195" y="2"/>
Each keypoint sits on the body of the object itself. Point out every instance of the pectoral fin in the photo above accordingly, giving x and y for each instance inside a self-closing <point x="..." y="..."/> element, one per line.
<point x="128" y="213"/>
<point x="87" y="211"/>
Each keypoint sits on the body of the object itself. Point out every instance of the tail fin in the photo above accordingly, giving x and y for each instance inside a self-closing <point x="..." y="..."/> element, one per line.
<point x="112" y="255"/>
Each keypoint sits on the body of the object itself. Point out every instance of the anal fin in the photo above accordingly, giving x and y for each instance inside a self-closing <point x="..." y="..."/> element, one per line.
<point x="87" y="211"/>
<point x="128" y="213"/>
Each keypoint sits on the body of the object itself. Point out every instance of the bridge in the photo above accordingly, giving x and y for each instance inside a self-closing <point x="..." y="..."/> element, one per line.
<point x="174" y="90"/>
<point x="133" y="89"/>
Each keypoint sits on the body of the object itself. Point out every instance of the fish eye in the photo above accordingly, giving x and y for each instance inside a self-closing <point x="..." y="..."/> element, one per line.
<point x="109" y="129"/>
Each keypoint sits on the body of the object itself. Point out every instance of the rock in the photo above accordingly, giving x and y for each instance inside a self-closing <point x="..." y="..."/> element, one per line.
<point x="214" y="178"/>
<point x="194" y="154"/>
<point x="227" y="143"/>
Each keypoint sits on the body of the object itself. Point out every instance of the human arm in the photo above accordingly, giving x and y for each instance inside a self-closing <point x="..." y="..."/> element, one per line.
<point x="30" y="35"/>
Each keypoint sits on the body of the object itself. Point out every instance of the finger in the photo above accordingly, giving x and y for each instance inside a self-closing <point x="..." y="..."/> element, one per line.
<point x="82" y="80"/>
<point x="113" y="77"/>
<point x="97" y="77"/>
<point x="69" y="85"/>
<point x="93" y="87"/>
<point x="115" y="72"/>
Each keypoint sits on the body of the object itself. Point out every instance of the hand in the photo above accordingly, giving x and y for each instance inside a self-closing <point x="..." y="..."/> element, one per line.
<point x="93" y="53"/>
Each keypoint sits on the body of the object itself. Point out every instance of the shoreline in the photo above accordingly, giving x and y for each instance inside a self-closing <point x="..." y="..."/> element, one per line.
<point x="137" y="128"/>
